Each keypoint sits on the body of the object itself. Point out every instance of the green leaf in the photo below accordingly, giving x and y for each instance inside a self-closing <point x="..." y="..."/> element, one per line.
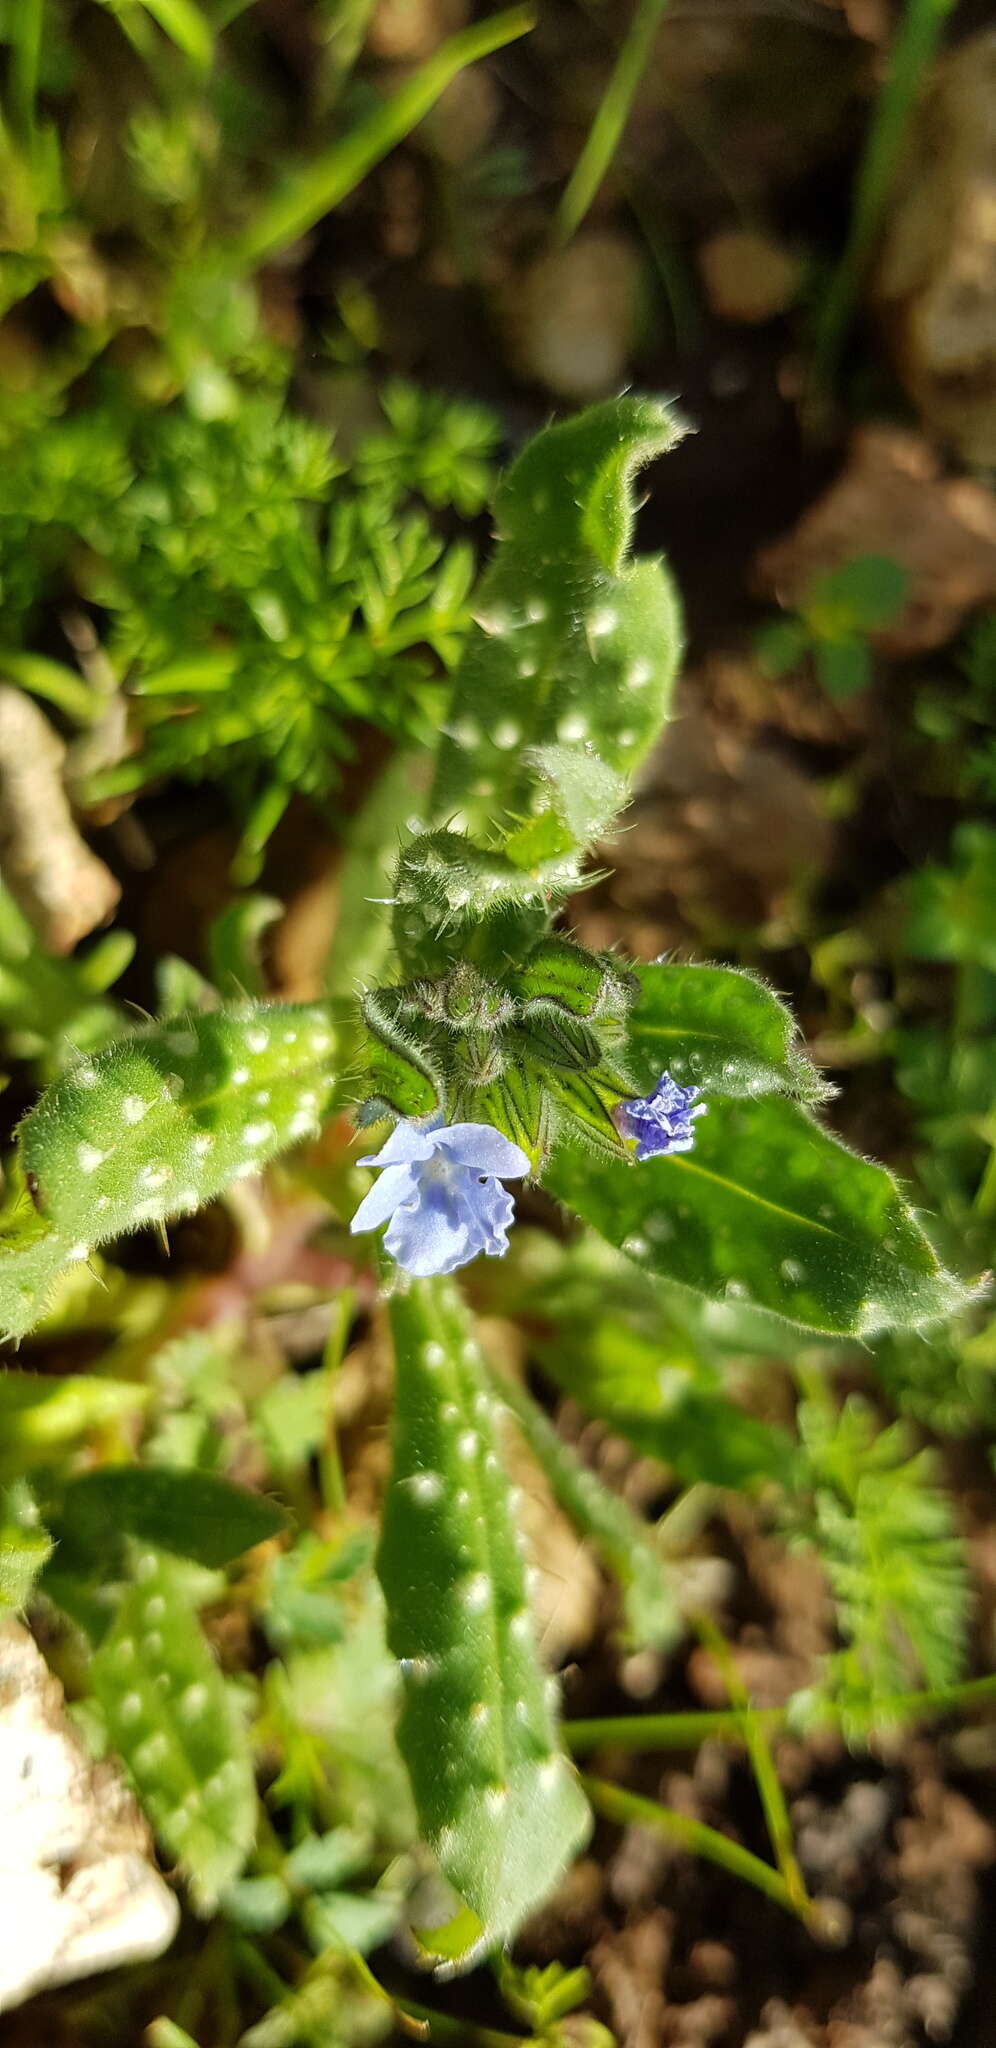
<point x="157" y="1125"/>
<point x="445" y="886"/>
<point x="323" y="1861"/>
<point x="194" y="1514"/>
<point x="31" y="1265"/>
<point x="859" y="597"/>
<point x="496" y="1798"/>
<point x="23" y="1553"/>
<point x="586" y="794"/>
<point x="170" y="1717"/>
<point x="365" y="876"/>
<point x="164" y="2033"/>
<point x="236" y="938"/>
<point x="668" y="1411"/>
<point x="718" y="1027"/>
<point x="952" y="910"/>
<point x="885" y="1533"/>
<point x="606" y="131"/>
<point x="353" y="1920"/>
<point x="256" y="1905"/>
<point x="780" y="645"/>
<point x="42" y="1416"/>
<point x="843" y="666"/>
<point x="647" y="1357"/>
<point x="769" y="1209"/>
<point x="577" y="644"/>
<point x="186" y="27"/>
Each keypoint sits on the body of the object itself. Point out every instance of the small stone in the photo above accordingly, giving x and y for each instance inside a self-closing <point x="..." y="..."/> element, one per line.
<point x="749" y="277"/>
<point x="714" y="1964"/>
<point x="462" y="120"/>
<point x="405" y="31"/>
<point x="573" y="316"/>
<point x="893" y="498"/>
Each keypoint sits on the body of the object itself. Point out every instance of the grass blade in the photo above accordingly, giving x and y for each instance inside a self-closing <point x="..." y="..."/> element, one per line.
<point x="606" y="130"/>
<point x="314" y="190"/>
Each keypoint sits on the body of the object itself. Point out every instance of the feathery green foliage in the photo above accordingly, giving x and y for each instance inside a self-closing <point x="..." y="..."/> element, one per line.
<point x="261" y="598"/>
<point x="885" y="1534"/>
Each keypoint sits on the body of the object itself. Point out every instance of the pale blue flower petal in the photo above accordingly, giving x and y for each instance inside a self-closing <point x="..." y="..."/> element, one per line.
<point x="439" y="1187"/>
<point x="397" y="1184"/>
<point x="405" y="1145"/>
<point x="429" y="1236"/>
<point x="484" y="1149"/>
<point x="495" y="1212"/>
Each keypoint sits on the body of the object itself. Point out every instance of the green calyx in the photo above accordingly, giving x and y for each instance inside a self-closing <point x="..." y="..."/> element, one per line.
<point x="527" y="1051"/>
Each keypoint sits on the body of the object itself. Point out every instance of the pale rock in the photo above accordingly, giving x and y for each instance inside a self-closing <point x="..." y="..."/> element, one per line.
<point x="573" y="315"/>
<point x="935" y="279"/>
<point x="893" y="497"/>
<point x="460" y="125"/>
<point x="78" y="1890"/>
<point x="749" y="277"/>
<point x="406" y="31"/>
<point x="62" y="887"/>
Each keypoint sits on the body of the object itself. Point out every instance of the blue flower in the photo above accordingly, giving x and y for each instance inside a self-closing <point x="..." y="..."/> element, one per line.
<point x="661" y="1122"/>
<point x="440" y="1188"/>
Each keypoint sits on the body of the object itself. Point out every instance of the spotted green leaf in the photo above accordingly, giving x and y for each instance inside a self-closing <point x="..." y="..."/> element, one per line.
<point x="719" y="1027"/>
<point x="170" y="1718"/>
<point x="577" y="643"/>
<point x="160" y="1123"/>
<point x="446" y="888"/>
<point x="33" y="1260"/>
<point x="497" y="1800"/>
<point x="769" y="1209"/>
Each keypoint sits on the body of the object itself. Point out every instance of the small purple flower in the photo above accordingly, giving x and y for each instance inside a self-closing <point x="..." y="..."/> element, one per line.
<point x="440" y="1188"/>
<point x="661" y="1122"/>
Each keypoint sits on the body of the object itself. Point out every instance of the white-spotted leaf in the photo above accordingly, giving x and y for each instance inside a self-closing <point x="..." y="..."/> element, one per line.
<point x="719" y="1027"/>
<point x="170" y="1717"/>
<point x="158" y="1124"/>
<point x="497" y="1799"/>
<point x="577" y="644"/>
<point x="769" y="1209"/>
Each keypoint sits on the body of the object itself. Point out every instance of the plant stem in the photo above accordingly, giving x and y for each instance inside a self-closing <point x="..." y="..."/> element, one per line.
<point x="610" y="119"/>
<point x="638" y="1732"/>
<point x="632" y="1810"/>
<point x="913" y="47"/>
<point x="25" y="54"/>
<point x="442" y="2026"/>
<point x="769" y="1788"/>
